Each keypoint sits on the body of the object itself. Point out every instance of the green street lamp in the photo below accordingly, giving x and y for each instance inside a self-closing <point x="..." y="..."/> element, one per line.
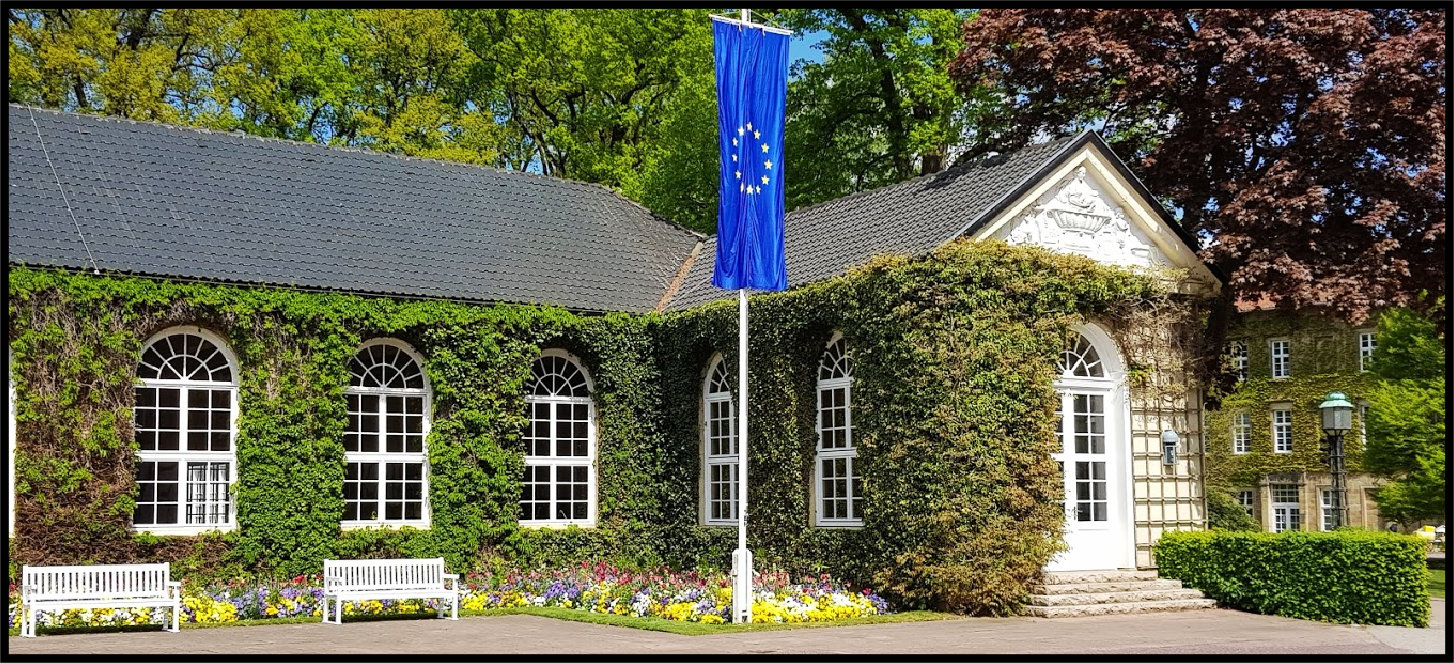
<point x="1337" y="421"/>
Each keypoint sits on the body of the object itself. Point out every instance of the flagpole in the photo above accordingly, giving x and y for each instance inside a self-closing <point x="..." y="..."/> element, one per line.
<point x="742" y="592"/>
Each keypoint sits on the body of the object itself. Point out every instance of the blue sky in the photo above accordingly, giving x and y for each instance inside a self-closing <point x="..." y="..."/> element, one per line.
<point x="802" y="46"/>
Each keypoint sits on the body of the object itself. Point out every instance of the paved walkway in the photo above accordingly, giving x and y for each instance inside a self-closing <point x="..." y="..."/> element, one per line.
<point x="1203" y="631"/>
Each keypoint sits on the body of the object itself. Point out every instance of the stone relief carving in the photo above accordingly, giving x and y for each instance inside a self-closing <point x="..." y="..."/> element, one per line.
<point x="1079" y="217"/>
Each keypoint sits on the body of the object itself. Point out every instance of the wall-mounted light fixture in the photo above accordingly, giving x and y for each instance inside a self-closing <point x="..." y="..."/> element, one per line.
<point x="1169" y="441"/>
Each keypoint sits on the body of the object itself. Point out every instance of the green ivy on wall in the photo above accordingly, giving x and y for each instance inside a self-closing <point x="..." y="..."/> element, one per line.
<point x="1324" y="356"/>
<point x="954" y="357"/>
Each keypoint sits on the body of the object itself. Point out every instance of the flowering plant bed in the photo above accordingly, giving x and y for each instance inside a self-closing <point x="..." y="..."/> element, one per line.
<point x="599" y="589"/>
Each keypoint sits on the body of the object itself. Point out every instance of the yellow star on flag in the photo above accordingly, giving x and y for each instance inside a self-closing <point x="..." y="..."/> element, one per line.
<point x="757" y="134"/>
<point x="765" y="164"/>
<point x="764" y="179"/>
<point x="764" y="147"/>
<point x="739" y="174"/>
<point x="749" y="126"/>
<point x="740" y="186"/>
<point x="734" y="157"/>
<point x="759" y="189"/>
<point x="734" y="141"/>
<point x="739" y="130"/>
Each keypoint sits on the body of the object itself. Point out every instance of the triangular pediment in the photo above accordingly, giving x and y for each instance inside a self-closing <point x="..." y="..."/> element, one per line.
<point x="1087" y="206"/>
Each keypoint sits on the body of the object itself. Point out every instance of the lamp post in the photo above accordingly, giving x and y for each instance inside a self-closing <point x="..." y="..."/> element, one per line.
<point x="1337" y="421"/>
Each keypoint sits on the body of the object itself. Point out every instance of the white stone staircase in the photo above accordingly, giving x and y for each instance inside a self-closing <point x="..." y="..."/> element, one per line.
<point x="1086" y="593"/>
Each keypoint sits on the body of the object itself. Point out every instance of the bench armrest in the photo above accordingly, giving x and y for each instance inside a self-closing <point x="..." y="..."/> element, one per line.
<point x="453" y="580"/>
<point x="174" y="589"/>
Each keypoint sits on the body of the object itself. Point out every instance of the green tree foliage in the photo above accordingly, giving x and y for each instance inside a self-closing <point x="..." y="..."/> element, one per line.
<point x="880" y="108"/>
<point x="1406" y="425"/>
<point x="1225" y="513"/>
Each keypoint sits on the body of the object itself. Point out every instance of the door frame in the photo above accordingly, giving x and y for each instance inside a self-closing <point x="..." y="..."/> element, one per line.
<point x="1118" y="435"/>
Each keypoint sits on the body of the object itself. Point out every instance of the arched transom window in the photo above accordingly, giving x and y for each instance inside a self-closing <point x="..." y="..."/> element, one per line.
<point x="185" y="420"/>
<point x="559" y="482"/>
<point x="1081" y="360"/>
<point x="386" y="472"/>
<point x="839" y="486"/>
<point x="719" y="440"/>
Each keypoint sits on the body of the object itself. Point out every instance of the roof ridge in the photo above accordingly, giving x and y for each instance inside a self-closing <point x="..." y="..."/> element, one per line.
<point x="958" y="167"/>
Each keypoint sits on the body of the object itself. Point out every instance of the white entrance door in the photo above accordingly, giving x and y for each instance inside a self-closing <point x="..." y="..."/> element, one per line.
<point x="1093" y="460"/>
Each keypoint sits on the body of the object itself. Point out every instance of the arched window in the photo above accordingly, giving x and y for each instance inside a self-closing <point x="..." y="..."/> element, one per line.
<point x="560" y="444"/>
<point x="719" y="446"/>
<point x="185" y="420"/>
<point x="838" y="482"/>
<point x="1083" y="393"/>
<point x="386" y="472"/>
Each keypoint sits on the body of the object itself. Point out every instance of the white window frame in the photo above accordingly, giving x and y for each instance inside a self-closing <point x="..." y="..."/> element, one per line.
<point x="383" y="458"/>
<point x="1242" y="432"/>
<point x="710" y="460"/>
<point x="1281" y="427"/>
<point x="183" y="457"/>
<point x="1238" y="351"/>
<point x="1248" y="500"/>
<point x="1363" y="422"/>
<point x="588" y="461"/>
<point x="1325" y="502"/>
<point x="1367" y="343"/>
<point x="1284" y="511"/>
<point x="850" y="452"/>
<point x="1280" y="360"/>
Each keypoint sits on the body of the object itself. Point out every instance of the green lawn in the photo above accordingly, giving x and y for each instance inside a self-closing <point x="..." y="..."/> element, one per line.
<point x="1436" y="583"/>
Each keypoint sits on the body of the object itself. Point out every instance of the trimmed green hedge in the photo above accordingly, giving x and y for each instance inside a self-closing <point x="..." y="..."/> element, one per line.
<point x="1355" y="576"/>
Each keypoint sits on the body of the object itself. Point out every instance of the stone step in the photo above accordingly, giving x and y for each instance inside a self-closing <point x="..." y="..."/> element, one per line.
<point x="1086" y="577"/>
<point x="1117" y="608"/>
<point x="1115" y="597"/>
<point x="1102" y="587"/>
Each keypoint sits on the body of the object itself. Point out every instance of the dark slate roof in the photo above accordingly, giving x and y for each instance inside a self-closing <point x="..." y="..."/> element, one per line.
<point x="912" y="217"/>
<point x="159" y="200"/>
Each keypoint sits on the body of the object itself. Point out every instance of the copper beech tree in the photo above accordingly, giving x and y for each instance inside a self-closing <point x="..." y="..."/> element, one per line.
<point x="1305" y="146"/>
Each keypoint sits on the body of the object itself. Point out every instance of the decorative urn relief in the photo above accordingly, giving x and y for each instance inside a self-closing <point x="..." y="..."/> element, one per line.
<point x="1078" y="208"/>
<point x="1079" y="217"/>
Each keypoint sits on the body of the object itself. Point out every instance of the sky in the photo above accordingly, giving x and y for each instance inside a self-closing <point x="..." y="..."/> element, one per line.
<point x="802" y="46"/>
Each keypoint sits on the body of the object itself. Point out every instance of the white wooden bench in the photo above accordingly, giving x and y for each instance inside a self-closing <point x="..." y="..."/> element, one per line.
<point x="384" y="579"/>
<point x="56" y="588"/>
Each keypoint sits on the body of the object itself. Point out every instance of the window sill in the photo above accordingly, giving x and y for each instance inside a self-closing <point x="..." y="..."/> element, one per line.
<point x="383" y="525"/>
<point x="842" y="524"/>
<point x="543" y="524"/>
<point x="720" y="523"/>
<point x="181" y="530"/>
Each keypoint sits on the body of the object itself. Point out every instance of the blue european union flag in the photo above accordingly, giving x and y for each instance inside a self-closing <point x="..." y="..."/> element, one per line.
<point x="752" y="91"/>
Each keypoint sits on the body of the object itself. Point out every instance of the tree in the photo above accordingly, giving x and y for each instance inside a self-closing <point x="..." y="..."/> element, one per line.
<point x="1224" y="512"/>
<point x="1406" y="429"/>
<point x="880" y="108"/>
<point x="1306" y="145"/>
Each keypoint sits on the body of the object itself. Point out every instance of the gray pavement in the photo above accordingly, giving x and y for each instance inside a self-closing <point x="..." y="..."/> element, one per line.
<point x="1200" y="631"/>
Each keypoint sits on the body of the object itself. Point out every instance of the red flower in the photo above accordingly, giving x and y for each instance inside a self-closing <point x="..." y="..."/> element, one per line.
<point x="299" y="580"/>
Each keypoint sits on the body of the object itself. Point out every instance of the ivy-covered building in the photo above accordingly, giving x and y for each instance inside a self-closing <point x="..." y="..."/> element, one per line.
<point x="1265" y="439"/>
<point x="240" y="353"/>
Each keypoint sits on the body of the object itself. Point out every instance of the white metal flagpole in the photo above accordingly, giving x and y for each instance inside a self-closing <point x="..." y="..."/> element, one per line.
<point x="742" y="558"/>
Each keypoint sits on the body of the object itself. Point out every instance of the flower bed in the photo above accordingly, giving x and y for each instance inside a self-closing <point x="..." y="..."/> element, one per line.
<point x="680" y="596"/>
